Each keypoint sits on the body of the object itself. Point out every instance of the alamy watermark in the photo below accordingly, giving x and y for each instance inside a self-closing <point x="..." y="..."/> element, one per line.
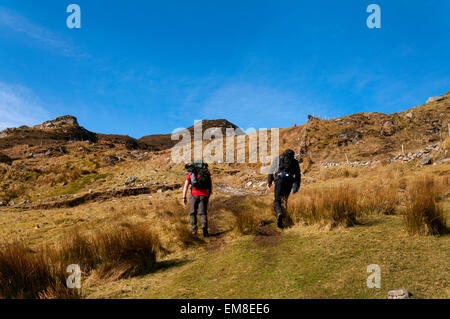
<point x="74" y="19"/>
<point x="374" y="20"/>
<point x="74" y="280"/>
<point x="231" y="148"/>
<point x="374" y="279"/>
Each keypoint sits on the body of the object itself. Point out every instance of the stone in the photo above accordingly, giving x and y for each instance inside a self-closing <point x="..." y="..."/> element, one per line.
<point x="3" y="204"/>
<point x="91" y="191"/>
<point x="249" y="184"/>
<point x="159" y="191"/>
<point x="436" y="98"/>
<point x="409" y="115"/>
<point x="399" y="294"/>
<point x="262" y="184"/>
<point x="388" y="124"/>
<point x="130" y="180"/>
<point x="7" y="131"/>
<point x="445" y="160"/>
<point x="427" y="160"/>
<point x="111" y="159"/>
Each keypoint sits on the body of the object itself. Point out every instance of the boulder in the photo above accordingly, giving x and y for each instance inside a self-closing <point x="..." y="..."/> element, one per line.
<point x="399" y="294"/>
<point x="426" y="160"/>
<point x="436" y="98"/>
<point x="110" y="159"/>
<point x="3" y="204"/>
<point x="130" y="180"/>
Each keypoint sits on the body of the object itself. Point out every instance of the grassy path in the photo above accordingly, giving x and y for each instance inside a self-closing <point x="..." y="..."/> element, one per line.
<point x="302" y="262"/>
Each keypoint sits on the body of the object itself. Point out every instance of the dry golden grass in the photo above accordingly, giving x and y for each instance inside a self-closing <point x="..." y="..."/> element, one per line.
<point x="246" y="222"/>
<point x="27" y="274"/>
<point x="112" y="254"/>
<point x="424" y="216"/>
<point x="379" y="197"/>
<point x="335" y="205"/>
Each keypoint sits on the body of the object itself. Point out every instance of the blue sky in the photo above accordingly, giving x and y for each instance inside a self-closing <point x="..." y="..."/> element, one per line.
<point x="147" y="67"/>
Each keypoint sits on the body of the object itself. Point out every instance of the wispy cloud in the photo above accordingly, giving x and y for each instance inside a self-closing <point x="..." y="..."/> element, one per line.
<point x="19" y="106"/>
<point x="39" y="35"/>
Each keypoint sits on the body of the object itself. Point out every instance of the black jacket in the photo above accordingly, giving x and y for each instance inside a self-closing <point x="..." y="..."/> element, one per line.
<point x="293" y="170"/>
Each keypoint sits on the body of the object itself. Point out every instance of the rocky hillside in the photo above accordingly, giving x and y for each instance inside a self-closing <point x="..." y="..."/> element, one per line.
<point x="61" y="129"/>
<point x="371" y="135"/>
<point x="356" y="137"/>
<point x="164" y="141"/>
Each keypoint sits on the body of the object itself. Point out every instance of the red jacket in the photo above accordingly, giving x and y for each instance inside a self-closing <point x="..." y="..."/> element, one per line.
<point x="197" y="192"/>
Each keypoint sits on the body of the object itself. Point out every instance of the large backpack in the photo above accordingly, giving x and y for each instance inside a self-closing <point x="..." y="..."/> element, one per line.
<point x="200" y="176"/>
<point x="286" y="161"/>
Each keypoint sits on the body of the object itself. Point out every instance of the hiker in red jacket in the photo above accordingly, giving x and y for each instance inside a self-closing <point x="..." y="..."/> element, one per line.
<point x="199" y="179"/>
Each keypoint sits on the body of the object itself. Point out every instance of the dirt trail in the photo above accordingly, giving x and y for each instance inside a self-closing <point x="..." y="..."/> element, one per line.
<point x="77" y="200"/>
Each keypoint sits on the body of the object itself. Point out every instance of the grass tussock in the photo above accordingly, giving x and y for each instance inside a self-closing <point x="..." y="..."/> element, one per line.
<point x="249" y="214"/>
<point x="379" y="198"/>
<point x="117" y="253"/>
<point x="334" y="205"/>
<point x="112" y="254"/>
<point x="246" y="223"/>
<point x="32" y="275"/>
<point x="424" y="215"/>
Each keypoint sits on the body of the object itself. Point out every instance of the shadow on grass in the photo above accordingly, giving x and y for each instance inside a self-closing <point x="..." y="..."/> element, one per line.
<point x="162" y="266"/>
<point x="219" y="233"/>
<point x="368" y="222"/>
<point x="166" y="264"/>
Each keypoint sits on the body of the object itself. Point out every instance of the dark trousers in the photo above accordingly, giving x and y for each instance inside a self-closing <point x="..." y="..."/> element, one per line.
<point x="283" y="187"/>
<point x="198" y="205"/>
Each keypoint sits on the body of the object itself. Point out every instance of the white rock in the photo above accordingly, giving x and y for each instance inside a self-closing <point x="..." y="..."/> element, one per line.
<point x="399" y="294"/>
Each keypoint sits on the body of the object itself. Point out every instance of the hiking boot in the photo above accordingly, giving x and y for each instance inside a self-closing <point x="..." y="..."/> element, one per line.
<point x="205" y="233"/>
<point x="280" y="221"/>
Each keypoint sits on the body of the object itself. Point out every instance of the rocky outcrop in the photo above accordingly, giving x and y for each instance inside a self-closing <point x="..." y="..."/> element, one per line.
<point x="354" y="163"/>
<point x="60" y="122"/>
<point x="437" y="98"/>
<point x="6" y="132"/>
<point x="111" y="159"/>
<point x="424" y="155"/>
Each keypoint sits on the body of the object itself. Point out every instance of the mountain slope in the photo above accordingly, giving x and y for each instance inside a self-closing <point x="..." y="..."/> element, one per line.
<point x="370" y="135"/>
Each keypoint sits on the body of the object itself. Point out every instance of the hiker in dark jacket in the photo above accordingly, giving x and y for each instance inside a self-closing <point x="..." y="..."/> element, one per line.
<point x="287" y="178"/>
<point x="199" y="179"/>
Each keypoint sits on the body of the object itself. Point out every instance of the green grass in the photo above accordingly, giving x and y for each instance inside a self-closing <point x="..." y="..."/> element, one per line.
<point x="75" y="186"/>
<point x="305" y="263"/>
